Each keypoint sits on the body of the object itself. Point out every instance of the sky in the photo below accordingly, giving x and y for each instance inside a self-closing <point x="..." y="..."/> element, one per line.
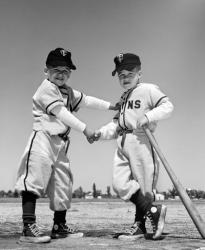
<point x="169" y="37"/>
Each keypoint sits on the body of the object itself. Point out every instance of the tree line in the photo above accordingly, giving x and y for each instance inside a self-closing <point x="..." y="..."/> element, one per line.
<point x="97" y="193"/>
<point x="77" y="193"/>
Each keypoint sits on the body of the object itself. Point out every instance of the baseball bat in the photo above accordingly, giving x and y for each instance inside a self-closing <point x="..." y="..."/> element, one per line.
<point x="191" y="209"/>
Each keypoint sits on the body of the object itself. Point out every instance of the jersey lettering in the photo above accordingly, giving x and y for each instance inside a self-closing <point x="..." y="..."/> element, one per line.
<point x="133" y="104"/>
<point x="137" y="104"/>
<point x="130" y="104"/>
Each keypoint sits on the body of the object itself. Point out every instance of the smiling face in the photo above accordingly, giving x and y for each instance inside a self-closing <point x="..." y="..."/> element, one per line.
<point x="58" y="75"/>
<point x="129" y="78"/>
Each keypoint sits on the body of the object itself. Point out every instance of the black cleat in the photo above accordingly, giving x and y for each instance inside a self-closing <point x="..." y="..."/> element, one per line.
<point x="157" y="214"/>
<point x="137" y="230"/>
<point x="61" y="230"/>
<point x="32" y="234"/>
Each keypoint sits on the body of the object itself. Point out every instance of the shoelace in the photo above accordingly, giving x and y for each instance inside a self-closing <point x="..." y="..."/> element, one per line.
<point x="152" y="221"/>
<point x="69" y="229"/>
<point x="35" y="229"/>
<point x="133" y="228"/>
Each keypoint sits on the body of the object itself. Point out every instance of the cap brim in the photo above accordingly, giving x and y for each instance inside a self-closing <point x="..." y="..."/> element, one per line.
<point x="114" y="72"/>
<point x="72" y="67"/>
<point x="63" y="64"/>
<point x="129" y="67"/>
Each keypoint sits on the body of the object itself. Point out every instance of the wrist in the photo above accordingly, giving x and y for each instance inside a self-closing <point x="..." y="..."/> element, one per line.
<point x="85" y="130"/>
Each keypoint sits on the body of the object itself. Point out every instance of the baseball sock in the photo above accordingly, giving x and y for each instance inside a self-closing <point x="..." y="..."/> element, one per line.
<point x="138" y="215"/>
<point x="59" y="217"/>
<point x="28" y="206"/>
<point x="143" y="202"/>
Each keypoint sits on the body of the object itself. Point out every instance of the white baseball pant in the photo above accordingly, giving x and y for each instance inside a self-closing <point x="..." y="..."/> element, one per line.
<point x="45" y="168"/>
<point x="136" y="166"/>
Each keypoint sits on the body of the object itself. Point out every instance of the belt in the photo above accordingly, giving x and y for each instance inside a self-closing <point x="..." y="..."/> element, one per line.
<point x="123" y="133"/>
<point x="64" y="137"/>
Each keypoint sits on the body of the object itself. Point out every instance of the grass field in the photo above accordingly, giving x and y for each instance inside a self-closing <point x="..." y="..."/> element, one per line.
<point x="100" y="220"/>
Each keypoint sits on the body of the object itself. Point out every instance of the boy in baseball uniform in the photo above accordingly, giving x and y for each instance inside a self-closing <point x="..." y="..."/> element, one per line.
<point x="44" y="166"/>
<point x="135" y="162"/>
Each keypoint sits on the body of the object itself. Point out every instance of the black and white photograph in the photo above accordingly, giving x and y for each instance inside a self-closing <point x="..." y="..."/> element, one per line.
<point x="102" y="124"/>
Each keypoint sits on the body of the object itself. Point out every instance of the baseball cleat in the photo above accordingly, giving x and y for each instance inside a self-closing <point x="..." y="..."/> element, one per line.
<point x="61" y="230"/>
<point x="32" y="234"/>
<point x="157" y="214"/>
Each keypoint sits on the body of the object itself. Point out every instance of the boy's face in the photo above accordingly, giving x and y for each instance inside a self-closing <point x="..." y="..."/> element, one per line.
<point x="129" y="78"/>
<point x="58" y="75"/>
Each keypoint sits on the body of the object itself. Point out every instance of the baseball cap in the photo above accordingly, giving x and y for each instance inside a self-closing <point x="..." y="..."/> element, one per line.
<point x="125" y="61"/>
<point x="60" y="57"/>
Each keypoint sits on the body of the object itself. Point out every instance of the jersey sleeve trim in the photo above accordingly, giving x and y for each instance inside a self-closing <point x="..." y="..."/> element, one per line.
<point x="75" y="107"/>
<point x="159" y="100"/>
<point x="52" y="104"/>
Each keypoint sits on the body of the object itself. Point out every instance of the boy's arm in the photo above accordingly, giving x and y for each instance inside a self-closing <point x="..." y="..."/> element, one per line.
<point x="108" y="131"/>
<point x="81" y="100"/>
<point x="162" y="111"/>
<point x="95" y="103"/>
<point x="161" y="107"/>
<point x="70" y="120"/>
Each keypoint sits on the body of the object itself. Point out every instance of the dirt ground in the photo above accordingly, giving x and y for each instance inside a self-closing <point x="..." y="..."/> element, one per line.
<point x="100" y="220"/>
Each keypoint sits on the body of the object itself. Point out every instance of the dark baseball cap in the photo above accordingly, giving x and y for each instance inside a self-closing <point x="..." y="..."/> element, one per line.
<point x="126" y="61"/>
<point x="60" y="57"/>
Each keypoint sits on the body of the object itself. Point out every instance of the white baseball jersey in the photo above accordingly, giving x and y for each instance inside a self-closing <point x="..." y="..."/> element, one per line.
<point x="135" y="163"/>
<point x="49" y="96"/>
<point x="45" y="167"/>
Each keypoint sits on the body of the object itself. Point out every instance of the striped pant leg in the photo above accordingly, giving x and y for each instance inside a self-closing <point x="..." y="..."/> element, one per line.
<point x="60" y="185"/>
<point x="143" y="161"/>
<point x="35" y="167"/>
<point x="123" y="183"/>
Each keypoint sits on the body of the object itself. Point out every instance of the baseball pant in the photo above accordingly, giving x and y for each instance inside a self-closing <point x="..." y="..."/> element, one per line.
<point x="136" y="166"/>
<point x="45" y="168"/>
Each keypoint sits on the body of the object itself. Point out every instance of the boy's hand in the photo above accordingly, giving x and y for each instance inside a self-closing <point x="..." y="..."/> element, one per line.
<point x="116" y="107"/>
<point x="142" y="121"/>
<point x="89" y="135"/>
<point x="97" y="135"/>
<point x="94" y="137"/>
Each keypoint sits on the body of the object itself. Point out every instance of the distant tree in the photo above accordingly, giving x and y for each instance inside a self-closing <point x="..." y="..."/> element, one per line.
<point x="78" y="193"/>
<point x="9" y="193"/>
<point x="193" y="193"/>
<point x="188" y="192"/>
<point x="82" y="194"/>
<point x="16" y="194"/>
<point x="94" y="191"/>
<point x="166" y="195"/>
<point x="108" y="192"/>
<point x="172" y="192"/>
<point x="200" y="194"/>
<point x="98" y="192"/>
<point x="2" y="193"/>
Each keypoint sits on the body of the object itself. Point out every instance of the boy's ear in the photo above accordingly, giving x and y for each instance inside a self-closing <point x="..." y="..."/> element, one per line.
<point x="140" y="73"/>
<point x="46" y="71"/>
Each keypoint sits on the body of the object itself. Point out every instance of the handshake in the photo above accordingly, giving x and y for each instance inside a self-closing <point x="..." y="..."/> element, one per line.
<point x="95" y="136"/>
<point x="91" y="136"/>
